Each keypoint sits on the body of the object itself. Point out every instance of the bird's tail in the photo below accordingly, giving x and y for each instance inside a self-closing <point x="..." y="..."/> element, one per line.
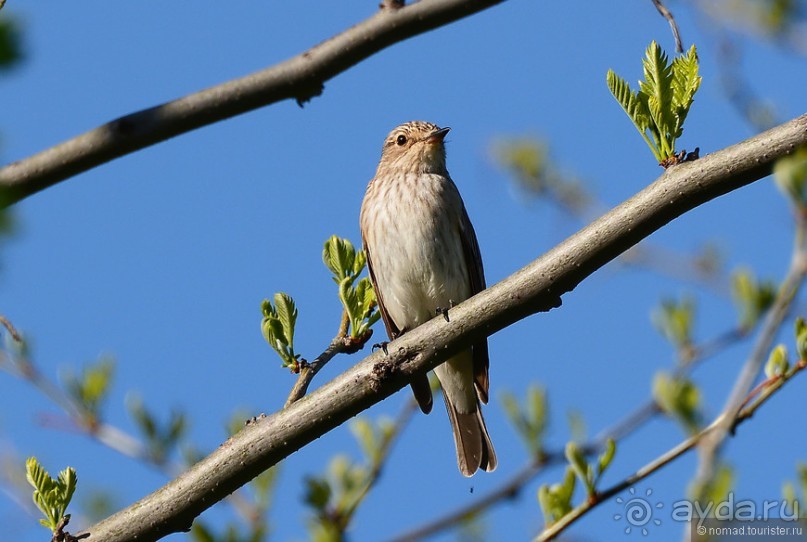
<point x="474" y="449"/>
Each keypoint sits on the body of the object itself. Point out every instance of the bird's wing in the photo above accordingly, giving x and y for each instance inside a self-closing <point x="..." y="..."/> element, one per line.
<point x="419" y="383"/>
<point x="476" y="278"/>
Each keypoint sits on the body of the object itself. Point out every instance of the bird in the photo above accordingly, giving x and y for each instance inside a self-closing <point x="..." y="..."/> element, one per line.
<point x="423" y="258"/>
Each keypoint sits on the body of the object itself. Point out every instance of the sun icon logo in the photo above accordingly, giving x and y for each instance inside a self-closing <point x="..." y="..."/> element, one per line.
<point x="638" y="512"/>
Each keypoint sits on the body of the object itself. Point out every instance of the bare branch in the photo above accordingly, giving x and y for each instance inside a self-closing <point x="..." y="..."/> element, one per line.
<point x="662" y="9"/>
<point x="10" y="327"/>
<point x="535" y="288"/>
<point x="782" y="305"/>
<point x="301" y="78"/>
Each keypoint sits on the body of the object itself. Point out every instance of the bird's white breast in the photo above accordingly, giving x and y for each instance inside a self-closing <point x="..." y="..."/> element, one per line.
<point x="418" y="262"/>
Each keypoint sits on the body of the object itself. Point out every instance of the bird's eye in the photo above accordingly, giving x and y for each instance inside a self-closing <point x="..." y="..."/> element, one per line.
<point x="401" y="140"/>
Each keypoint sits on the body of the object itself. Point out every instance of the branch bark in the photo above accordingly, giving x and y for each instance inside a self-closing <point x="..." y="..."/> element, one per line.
<point x="301" y="77"/>
<point x="536" y="287"/>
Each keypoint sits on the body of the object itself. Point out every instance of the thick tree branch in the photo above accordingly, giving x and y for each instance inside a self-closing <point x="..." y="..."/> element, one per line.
<point x="536" y="287"/>
<point x="301" y="77"/>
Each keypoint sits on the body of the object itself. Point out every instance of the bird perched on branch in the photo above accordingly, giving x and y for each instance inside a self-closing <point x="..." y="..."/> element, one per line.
<point x="423" y="258"/>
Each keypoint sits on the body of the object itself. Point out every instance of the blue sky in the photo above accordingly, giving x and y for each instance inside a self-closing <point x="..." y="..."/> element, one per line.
<point x="161" y="258"/>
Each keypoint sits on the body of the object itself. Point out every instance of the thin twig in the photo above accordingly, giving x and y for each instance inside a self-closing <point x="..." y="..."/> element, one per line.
<point x="341" y="343"/>
<point x="679" y="47"/>
<point x="5" y="322"/>
<point x="785" y="298"/>
<point x="300" y="78"/>
<point x="601" y="496"/>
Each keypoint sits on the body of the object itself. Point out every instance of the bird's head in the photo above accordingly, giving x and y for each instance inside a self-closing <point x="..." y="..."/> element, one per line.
<point x="417" y="147"/>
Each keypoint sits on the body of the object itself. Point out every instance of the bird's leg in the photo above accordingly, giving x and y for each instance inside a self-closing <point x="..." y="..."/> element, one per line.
<point x="444" y="310"/>
<point x="382" y="345"/>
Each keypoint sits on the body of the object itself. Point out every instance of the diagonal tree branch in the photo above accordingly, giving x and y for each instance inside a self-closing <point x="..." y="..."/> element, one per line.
<point x="301" y="78"/>
<point x="536" y="287"/>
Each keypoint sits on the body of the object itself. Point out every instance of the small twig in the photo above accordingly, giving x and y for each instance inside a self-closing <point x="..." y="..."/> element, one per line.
<point x="60" y="535"/>
<point x="601" y="496"/>
<point x="774" y="319"/>
<point x="3" y="320"/>
<point x="342" y="343"/>
<point x="679" y="47"/>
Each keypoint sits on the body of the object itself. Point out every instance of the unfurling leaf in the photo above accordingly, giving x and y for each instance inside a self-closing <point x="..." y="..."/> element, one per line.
<point x="358" y="298"/>
<point x="556" y="500"/>
<point x="52" y="497"/>
<point x="680" y="398"/>
<point x="790" y="174"/>
<point x="801" y="338"/>
<point x="340" y="256"/>
<point x="278" y="325"/>
<point x="777" y="364"/>
<point x="605" y="458"/>
<point x="752" y="297"/>
<point x="531" y="420"/>
<point x="660" y="106"/>
<point x="675" y="320"/>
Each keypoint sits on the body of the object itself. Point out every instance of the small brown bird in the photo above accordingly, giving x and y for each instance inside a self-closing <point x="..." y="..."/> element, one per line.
<point x="423" y="258"/>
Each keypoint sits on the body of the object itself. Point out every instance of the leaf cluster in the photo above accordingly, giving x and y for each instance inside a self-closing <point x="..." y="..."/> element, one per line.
<point x="358" y="298"/>
<point x="160" y="438"/>
<point x="660" y="106"/>
<point x="556" y="500"/>
<point x="530" y="421"/>
<point x="90" y="388"/>
<point x="790" y="175"/>
<point x="679" y="398"/>
<point x="52" y="497"/>
<point x="753" y="297"/>
<point x="675" y="320"/>
<point x="277" y="327"/>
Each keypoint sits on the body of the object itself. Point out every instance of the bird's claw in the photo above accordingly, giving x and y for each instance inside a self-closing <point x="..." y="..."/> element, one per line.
<point x="383" y="346"/>
<point x="444" y="311"/>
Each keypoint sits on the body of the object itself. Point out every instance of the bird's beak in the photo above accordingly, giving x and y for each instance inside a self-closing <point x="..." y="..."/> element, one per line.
<point x="438" y="135"/>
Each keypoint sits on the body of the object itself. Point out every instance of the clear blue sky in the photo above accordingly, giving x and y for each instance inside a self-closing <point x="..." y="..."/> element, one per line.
<point x="161" y="258"/>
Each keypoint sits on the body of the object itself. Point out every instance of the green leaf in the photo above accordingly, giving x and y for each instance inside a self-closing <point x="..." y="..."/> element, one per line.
<point x="90" y="388"/>
<point x="752" y="297"/>
<point x="777" y="364"/>
<point x="556" y="500"/>
<point x="660" y="106"/>
<point x="277" y="327"/>
<point x="339" y="255"/>
<point x="581" y="468"/>
<point x="530" y="422"/>
<point x="657" y="86"/>
<point x="801" y="338"/>
<point x="605" y="458"/>
<point x="287" y="315"/>
<point x="318" y="492"/>
<point x="790" y="174"/>
<point x="679" y="398"/>
<point x="675" y="320"/>
<point x="685" y="84"/>
<point x="52" y="497"/>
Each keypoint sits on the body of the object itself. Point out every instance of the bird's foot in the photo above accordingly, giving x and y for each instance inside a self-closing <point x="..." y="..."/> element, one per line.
<point x="382" y="345"/>
<point x="444" y="310"/>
